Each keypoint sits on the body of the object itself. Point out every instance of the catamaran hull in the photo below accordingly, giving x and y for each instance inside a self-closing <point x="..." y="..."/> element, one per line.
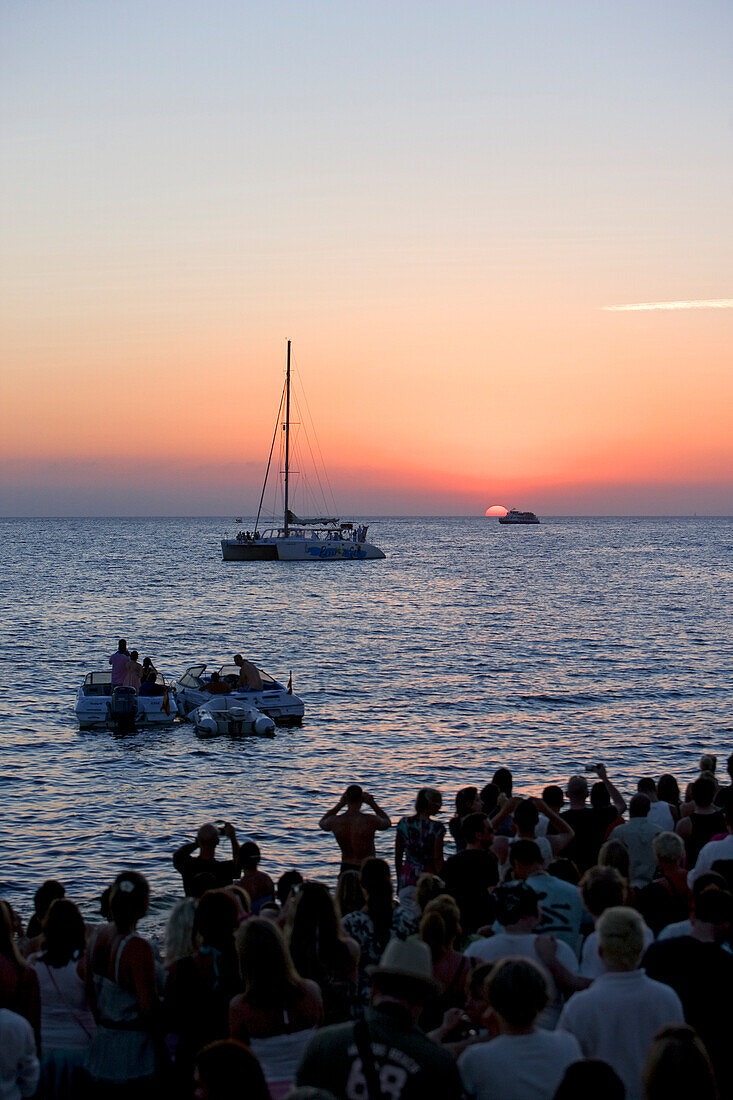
<point x="299" y="550"/>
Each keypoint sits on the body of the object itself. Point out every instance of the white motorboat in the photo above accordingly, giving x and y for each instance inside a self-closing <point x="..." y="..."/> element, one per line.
<point x="225" y="715"/>
<point x="514" y="517"/>
<point x="313" y="539"/>
<point x="98" y="705"/>
<point x="274" y="700"/>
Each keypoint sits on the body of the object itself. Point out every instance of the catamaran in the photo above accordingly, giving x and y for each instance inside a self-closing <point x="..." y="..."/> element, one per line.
<point x="323" y="538"/>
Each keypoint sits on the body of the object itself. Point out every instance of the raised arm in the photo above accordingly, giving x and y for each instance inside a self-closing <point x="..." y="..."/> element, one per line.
<point x="383" y="821"/>
<point x="181" y="855"/>
<point x="327" y="820"/>
<point x="567" y="982"/>
<point x="229" y="831"/>
<point x="564" y="833"/>
<point x="508" y="807"/>
<point x="616" y="797"/>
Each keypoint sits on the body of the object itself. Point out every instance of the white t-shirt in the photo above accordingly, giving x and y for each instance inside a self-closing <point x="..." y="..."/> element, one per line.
<point x="19" y="1067"/>
<point x="522" y="944"/>
<point x="542" y="843"/>
<point x="661" y="815"/>
<point x="709" y="853"/>
<point x="591" y="963"/>
<point x="616" y="1020"/>
<point x="561" y="909"/>
<point x="515" y="1067"/>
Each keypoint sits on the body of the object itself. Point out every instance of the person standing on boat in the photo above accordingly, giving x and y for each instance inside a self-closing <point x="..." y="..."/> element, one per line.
<point x="354" y="830"/>
<point x="249" y="675"/>
<point x="120" y="661"/>
<point x="133" y="673"/>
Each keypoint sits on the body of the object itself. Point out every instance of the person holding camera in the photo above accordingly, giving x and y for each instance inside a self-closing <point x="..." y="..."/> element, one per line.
<point x="204" y="871"/>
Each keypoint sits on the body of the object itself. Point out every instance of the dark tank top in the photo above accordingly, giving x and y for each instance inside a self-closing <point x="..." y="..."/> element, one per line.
<point x="704" y="828"/>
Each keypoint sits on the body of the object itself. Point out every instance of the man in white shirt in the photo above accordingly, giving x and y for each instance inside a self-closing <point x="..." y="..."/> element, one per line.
<point x="617" y="1018"/>
<point x="660" y="813"/>
<point x="523" y="1060"/>
<point x="637" y="835"/>
<point x="561" y="911"/>
<point x="517" y="909"/>
<point x="714" y="850"/>
<point x="19" y="1066"/>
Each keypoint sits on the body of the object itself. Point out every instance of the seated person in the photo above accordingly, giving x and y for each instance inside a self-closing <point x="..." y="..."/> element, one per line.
<point x="149" y="687"/>
<point x="217" y="686"/>
<point x="149" y="681"/>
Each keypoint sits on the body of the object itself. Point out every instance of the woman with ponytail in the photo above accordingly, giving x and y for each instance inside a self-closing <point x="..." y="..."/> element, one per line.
<point x="440" y="927"/>
<point x="123" y="1056"/>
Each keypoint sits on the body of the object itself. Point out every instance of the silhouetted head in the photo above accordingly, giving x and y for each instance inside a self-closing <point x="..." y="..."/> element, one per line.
<point x="64" y="933"/>
<point x="428" y="801"/>
<point x="249" y="856"/>
<point x="129" y="900"/>
<point x="220" y="1065"/>
<point x="502" y="777"/>
<point x="208" y="835"/>
<point x="354" y="795"/>
<point x="517" y="991"/>
<point x="678" y="1065"/>
<point x="45" y="895"/>
<point x="553" y="797"/>
<point x="639" y="806"/>
<point x="591" y="1078"/>
<point x="577" y="788"/>
<point x="703" y="792"/>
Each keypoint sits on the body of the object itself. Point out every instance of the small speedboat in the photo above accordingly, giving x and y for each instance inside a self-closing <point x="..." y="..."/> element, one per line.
<point x="99" y="704"/>
<point x="192" y="690"/>
<point x="513" y="516"/>
<point x="225" y="715"/>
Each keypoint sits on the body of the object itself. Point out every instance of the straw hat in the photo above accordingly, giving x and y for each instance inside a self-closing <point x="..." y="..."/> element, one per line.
<point x="407" y="959"/>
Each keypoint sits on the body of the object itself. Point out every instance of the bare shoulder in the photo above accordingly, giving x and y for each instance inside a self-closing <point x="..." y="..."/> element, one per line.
<point x="138" y="950"/>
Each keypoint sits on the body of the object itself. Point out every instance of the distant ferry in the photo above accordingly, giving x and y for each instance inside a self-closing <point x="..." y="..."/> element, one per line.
<point x="518" y="517"/>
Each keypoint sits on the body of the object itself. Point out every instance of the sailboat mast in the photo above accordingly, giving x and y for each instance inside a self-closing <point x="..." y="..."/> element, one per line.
<point x="287" y="438"/>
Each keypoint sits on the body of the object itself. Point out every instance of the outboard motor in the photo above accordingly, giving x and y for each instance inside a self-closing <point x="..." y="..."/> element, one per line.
<point x="122" y="713"/>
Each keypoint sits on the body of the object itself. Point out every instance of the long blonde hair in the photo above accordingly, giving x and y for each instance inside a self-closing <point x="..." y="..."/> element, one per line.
<point x="440" y="925"/>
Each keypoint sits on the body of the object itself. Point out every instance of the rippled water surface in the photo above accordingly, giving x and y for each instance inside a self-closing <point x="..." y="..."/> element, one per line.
<point x="472" y="645"/>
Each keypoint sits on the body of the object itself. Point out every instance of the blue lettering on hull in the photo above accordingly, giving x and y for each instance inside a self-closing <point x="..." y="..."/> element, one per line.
<point x="342" y="551"/>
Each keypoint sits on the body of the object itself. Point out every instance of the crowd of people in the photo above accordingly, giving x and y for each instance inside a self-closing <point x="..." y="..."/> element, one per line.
<point x="567" y="946"/>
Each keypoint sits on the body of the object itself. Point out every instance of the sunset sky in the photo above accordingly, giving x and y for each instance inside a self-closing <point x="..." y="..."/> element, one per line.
<point x="436" y="202"/>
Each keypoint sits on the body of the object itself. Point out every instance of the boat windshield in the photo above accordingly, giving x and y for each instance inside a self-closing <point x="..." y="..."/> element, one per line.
<point x="98" y="678"/>
<point x="233" y="670"/>
<point x="192" y="676"/>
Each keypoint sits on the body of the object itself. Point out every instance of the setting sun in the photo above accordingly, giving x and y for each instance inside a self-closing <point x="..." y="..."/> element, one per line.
<point x="497" y="510"/>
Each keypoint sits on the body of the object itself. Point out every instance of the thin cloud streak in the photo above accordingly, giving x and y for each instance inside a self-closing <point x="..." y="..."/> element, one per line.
<point x="710" y="303"/>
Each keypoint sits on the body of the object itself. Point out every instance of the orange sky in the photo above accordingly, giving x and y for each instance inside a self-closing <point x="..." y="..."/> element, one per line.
<point x="438" y="240"/>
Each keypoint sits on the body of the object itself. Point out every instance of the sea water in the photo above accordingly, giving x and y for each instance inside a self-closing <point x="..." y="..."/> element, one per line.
<point x="471" y="646"/>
